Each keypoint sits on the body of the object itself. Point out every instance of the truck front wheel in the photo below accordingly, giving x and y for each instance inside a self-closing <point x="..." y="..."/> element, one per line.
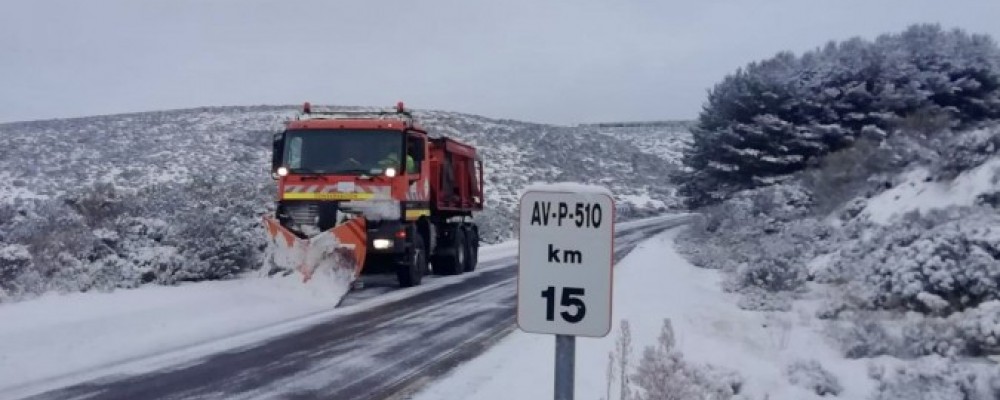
<point x="410" y="270"/>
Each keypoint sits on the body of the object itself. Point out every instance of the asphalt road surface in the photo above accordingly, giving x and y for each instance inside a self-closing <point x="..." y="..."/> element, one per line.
<point x="382" y="351"/>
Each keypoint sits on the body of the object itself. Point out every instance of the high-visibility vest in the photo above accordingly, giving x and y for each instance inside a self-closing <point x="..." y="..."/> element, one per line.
<point x="390" y="160"/>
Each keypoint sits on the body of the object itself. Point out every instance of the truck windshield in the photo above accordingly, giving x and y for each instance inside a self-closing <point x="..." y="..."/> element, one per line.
<point x="341" y="151"/>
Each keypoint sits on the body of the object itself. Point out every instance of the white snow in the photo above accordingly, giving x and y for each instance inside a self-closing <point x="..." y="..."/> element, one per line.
<point x="572" y="187"/>
<point x="915" y="193"/>
<point x="653" y="283"/>
<point x="642" y="200"/>
<point x="60" y="334"/>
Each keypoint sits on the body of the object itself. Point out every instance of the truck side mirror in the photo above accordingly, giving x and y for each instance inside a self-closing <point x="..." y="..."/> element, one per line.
<point x="277" y="150"/>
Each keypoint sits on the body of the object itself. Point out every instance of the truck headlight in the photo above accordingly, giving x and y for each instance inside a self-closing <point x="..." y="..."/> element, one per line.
<point x="381" y="244"/>
<point x="390" y="172"/>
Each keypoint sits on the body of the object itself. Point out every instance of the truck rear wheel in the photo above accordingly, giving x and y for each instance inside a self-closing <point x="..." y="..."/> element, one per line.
<point x="472" y="247"/>
<point x="410" y="270"/>
<point x="452" y="253"/>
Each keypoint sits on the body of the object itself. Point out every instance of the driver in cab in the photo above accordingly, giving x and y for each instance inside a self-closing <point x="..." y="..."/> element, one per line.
<point x="391" y="160"/>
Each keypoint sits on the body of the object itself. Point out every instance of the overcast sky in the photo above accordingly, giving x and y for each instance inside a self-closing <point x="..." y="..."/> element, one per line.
<point x="559" y="61"/>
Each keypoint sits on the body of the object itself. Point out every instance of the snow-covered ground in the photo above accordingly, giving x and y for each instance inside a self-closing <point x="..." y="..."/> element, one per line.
<point x="58" y="339"/>
<point x="651" y="284"/>
<point x="918" y="192"/>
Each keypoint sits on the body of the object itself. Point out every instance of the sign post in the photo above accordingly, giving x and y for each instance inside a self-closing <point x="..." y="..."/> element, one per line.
<point x="564" y="274"/>
<point x="565" y="366"/>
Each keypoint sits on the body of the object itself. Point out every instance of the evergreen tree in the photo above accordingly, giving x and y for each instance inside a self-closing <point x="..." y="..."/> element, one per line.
<point x="778" y="116"/>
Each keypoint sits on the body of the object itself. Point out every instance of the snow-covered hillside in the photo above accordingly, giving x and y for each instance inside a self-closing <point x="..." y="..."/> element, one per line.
<point x="168" y="196"/>
<point x="899" y="260"/>
<point x="665" y="139"/>
<point x="59" y="158"/>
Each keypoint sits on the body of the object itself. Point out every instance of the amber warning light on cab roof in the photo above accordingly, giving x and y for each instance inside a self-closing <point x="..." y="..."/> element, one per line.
<point x="307" y="107"/>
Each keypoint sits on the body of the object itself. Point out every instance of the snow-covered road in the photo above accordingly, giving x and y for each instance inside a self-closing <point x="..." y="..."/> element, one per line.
<point x="256" y="337"/>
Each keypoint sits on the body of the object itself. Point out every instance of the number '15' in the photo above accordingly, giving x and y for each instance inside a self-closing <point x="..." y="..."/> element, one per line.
<point x="569" y="299"/>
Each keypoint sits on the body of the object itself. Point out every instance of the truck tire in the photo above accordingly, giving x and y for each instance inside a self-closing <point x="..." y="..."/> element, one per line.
<point x="472" y="248"/>
<point x="461" y="247"/>
<point x="450" y="258"/>
<point x="410" y="270"/>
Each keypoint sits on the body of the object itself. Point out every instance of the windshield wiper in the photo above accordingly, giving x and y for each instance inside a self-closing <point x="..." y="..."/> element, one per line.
<point x="359" y="171"/>
<point x="307" y="171"/>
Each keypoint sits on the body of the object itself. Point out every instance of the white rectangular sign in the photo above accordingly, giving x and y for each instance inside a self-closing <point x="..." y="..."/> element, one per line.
<point x="564" y="263"/>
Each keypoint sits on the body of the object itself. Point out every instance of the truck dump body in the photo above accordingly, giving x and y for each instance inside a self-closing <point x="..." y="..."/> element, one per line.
<point x="456" y="176"/>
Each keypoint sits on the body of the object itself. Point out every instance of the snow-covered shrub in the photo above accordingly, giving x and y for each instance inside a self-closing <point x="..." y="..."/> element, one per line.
<point x="968" y="150"/>
<point x="775" y="268"/>
<point x="60" y="245"/>
<point x="981" y="328"/>
<point x="105" y="238"/>
<point x="496" y="225"/>
<point x="921" y="336"/>
<point x="217" y="246"/>
<point x="936" y="378"/>
<point x="811" y="375"/>
<point x="726" y="235"/>
<point x="975" y="332"/>
<point x="989" y="199"/>
<point x="864" y="337"/>
<point x="208" y="228"/>
<point x="99" y="205"/>
<point x="972" y="333"/>
<point x="663" y="374"/>
<point x="938" y="263"/>
<point x="15" y="259"/>
<point x="620" y="363"/>
<point x="848" y="173"/>
<point x="762" y="239"/>
<point x="756" y="299"/>
<point x="852" y="208"/>
<point x="705" y="246"/>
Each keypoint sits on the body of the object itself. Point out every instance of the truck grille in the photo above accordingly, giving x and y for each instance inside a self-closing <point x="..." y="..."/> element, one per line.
<point x="308" y="218"/>
<point x="303" y="213"/>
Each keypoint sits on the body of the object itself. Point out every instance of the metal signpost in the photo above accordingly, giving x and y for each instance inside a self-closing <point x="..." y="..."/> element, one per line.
<point x="564" y="271"/>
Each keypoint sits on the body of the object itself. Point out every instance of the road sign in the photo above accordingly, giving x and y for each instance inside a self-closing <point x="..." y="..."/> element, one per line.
<point x="564" y="266"/>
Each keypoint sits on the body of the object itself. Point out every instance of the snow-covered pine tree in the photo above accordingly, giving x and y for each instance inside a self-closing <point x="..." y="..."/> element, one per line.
<point x="780" y="115"/>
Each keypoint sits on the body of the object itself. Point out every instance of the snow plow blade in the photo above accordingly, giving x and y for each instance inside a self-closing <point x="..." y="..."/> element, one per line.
<point x="343" y="247"/>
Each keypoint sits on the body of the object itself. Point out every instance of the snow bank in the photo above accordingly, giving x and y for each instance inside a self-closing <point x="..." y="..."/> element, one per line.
<point x="61" y="334"/>
<point x="918" y="192"/>
<point x="642" y="200"/>
<point x="651" y="284"/>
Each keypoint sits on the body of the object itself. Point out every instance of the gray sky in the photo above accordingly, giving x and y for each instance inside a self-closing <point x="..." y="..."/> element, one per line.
<point x="559" y="61"/>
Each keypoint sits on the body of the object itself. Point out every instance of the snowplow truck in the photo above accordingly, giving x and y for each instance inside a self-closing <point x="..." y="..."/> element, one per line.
<point x="373" y="192"/>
